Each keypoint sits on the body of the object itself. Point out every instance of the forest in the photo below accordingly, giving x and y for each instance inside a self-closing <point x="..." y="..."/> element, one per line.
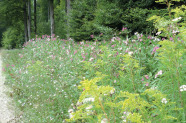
<point x="76" y="19"/>
<point x="95" y="61"/>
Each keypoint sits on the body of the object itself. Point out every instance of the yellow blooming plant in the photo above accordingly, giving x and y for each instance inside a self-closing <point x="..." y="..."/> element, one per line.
<point x="105" y="104"/>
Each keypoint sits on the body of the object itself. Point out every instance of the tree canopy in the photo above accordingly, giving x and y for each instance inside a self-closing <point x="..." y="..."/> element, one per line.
<point x="77" y="19"/>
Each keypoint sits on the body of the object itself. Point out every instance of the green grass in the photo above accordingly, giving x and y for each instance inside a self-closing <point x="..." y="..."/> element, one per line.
<point x="46" y="73"/>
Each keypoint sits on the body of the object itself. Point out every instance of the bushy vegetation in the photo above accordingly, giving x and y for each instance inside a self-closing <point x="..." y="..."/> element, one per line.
<point x="85" y="18"/>
<point x="123" y="79"/>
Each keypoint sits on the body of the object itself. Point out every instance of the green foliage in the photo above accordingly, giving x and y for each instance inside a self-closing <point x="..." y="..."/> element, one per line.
<point x="172" y="53"/>
<point x="135" y="19"/>
<point x="12" y="38"/>
<point x="60" y="20"/>
<point x="107" y="17"/>
<point x="81" y="16"/>
<point x="100" y="103"/>
<point x="171" y="61"/>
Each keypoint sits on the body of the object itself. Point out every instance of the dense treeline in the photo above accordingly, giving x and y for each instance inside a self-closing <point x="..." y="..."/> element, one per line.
<point x="78" y="19"/>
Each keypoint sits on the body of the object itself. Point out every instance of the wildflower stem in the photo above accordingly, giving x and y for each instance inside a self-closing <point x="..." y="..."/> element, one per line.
<point x="103" y="110"/>
<point x="132" y="76"/>
<point x="113" y="115"/>
<point x="180" y="95"/>
<point x="172" y="81"/>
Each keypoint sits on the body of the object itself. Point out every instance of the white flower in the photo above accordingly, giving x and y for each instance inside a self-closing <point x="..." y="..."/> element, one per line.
<point x="153" y="88"/>
<point x="124" y="121"/>
<point x="158" y="33"/>
<point x="91" y="59"/>
<point x="176" y="19"/>
<point x="159" y="73"/>
<point x="112" y="91"/>
<point x="79" y="103"/>
<point x="136" y="33"/>
<point x="120" y="48"/>
<point x="183" y="88"/>
<point x="130" y="53"/>
<point x="113" y="39"/>
<point x="70" y="111"/>
<point x="164" y="100"/>
<point x="104" y="120"/>
<point x="89" y="107"/>
<point x="175" y="31"/>
<point x="82" y="43"/>
<point x="126" y="113"/>
<point x="156" y="39"/>
<point x="109" y="55"/>
<point x="88" y="100"/>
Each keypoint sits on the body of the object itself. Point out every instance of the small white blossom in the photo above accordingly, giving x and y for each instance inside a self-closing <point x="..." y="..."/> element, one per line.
<point x="104" y="120"/>
<point x="91" y="59"/>
<point x="89" y="107"/>
<point x="130" y="53"/>
<point x="183" y="88"/>
<point x="70" y="111"/>
<point x="176" y="19"/>
<point x="120" y="48"/>
<point x="159" y="73"/>
<point x="175" y="31"/>
<point x="158" y="33"/>
<point x="153" y="88"/>
<point x="82" y="43"/>
<point x="112" y="91"/>
<point x="79" y="103"/>
<point x="113" y="39"/>
<point x="88" y="100"/>
<point x="136" y="33"/>
<point x="164" y="100"/>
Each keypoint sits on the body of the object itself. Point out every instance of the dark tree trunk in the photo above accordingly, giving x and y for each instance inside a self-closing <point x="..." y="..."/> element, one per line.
<point x="68" y="7"/>
<point x="48" y="10"/>
<point x="29" y="19"/>
<point x="35" y="25"/>
<point x="52" y="17"/>
<point x="25" y="21"/>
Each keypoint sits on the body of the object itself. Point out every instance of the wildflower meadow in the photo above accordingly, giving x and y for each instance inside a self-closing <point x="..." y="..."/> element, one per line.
<point x="137" y="79"/>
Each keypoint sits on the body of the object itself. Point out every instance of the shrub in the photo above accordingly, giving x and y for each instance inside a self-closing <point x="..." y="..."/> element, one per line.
<point x="12" y="38"/>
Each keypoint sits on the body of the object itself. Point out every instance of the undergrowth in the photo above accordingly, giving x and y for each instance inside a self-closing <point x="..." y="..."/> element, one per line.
<point x="138" y="79"/>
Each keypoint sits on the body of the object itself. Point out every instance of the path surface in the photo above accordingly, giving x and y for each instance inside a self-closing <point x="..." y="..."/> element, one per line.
<point x="6" y="114"/>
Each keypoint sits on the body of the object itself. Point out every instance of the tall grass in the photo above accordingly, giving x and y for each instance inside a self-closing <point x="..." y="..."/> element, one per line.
<point x="46" y="73"/>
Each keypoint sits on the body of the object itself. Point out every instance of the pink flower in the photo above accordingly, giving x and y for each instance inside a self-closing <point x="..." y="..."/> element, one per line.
<point x="3" y="69"/>
<point x="159" y="73"/>
<point x="75" y="52"/>
<point x="146" y="76"/>
<point x="142" y="79"/>
<point x="163" y="39"/>
<point x="147" y="84"/>
<point x="123" y="29"/>
<point x="101" y="34"/>
<point x="53" y="35"/>
<point x="43" y="36"/>
<point x="92" y="36"/>
<point x="154" y="50"/>
<point x="112" y="45"/>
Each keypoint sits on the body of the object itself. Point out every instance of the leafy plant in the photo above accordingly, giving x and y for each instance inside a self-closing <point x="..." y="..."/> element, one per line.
<point x="105" y="104"/>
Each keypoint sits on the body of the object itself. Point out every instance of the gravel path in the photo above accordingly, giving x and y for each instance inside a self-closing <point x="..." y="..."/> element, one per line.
<point x="6" y="112"/>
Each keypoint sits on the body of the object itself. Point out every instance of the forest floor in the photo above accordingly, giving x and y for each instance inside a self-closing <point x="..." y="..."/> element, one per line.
<point x="7" y="112"/>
